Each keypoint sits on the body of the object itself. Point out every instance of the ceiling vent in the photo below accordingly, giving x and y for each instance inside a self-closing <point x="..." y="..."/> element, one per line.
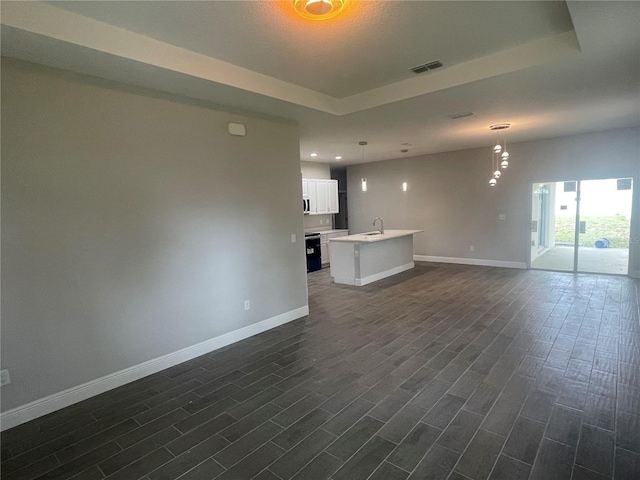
<point x="419" y="69"/>
<point x="455" y="116"/>
<point x="426" y="66"/>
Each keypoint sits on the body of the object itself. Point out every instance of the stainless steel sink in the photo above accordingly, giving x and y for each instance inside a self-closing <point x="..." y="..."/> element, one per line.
<point x="372" y="233"/>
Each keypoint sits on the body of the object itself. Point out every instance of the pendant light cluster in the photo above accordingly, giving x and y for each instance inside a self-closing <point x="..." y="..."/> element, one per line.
<point x="499" y="154"/>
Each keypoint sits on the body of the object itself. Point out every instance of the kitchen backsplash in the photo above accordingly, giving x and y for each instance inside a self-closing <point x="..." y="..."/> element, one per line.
<point x="314" y="223"/>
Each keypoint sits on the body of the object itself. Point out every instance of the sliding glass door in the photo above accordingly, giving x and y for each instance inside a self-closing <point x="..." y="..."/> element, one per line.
<point x="581" y="225"/>
<point x="605" y="218"/>
<point x="553" y="229"/>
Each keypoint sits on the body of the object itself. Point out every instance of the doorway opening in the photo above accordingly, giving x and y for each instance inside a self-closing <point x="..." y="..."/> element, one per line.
<point x="581" y="225"/>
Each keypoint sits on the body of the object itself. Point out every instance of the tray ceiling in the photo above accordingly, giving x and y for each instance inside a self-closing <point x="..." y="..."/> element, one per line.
<point x="549" y="68"/>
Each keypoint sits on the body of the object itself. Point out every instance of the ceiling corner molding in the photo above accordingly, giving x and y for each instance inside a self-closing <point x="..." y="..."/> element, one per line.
<point x="49" y="21"/>
<point x="514" y="59"/>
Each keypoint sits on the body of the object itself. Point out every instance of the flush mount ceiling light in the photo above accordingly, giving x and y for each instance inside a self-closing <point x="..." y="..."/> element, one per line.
<point x="318" y="9"/>
<point x="314" y="154"/>
<point x="499" y="152"/>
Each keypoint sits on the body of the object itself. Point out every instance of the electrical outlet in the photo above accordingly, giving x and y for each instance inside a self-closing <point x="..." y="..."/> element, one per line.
<point x="472" y="248"/>
<point x="502" y="216"/>
<point x="247" y="305"/>
<point x="4" y="378"/>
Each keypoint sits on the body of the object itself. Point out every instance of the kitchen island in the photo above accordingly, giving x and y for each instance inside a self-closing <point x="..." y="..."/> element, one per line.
<point x="367" y="257"/>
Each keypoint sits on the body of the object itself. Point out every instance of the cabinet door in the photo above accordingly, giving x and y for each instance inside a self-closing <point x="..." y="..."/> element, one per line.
<point x="311" y="191"/>
<point x="322" y="200"/>
<point x="324" y="252"/>
<point x="305" y="187"/>
<point x="332" y="194"/>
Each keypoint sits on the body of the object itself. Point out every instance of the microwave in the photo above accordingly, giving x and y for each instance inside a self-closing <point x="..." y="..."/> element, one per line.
<point x="306" y="204"/>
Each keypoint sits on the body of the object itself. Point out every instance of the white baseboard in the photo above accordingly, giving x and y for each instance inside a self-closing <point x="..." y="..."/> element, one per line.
<point x="344" y="281"/>
<point x="387" y="273"/>
<point x="38" y="408"/>
<point x="470" y="261"/>
<point x="359" y="282"/>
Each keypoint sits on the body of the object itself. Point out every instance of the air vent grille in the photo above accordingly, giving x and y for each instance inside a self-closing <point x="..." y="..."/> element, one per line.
<point x="426" y="66"/>
<point x="419" y="69"/>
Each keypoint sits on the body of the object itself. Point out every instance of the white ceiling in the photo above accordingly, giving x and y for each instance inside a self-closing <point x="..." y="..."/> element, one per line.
<point x="548" y="68"/>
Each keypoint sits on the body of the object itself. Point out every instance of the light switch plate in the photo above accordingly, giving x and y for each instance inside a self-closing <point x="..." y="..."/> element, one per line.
<point x="293" y="238"/>
<point x="502" y="216"/>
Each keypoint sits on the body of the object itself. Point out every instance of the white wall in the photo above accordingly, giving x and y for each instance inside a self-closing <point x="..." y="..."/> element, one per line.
<point x="450" y="199"/>
<point x="316" y="223"/>
<point x="134" y="226"/>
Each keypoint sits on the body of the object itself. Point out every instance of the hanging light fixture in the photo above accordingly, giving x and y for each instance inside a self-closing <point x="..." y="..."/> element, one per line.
<point x="363" y="180"/>
<point x="505" y="156"/>
<point x="499" y="153"/>
<point x="318" y="9"/>
<point x="496" y="173"/>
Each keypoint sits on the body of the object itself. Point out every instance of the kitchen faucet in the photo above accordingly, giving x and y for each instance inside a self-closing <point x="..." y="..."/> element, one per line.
<point x="381" y="224"/>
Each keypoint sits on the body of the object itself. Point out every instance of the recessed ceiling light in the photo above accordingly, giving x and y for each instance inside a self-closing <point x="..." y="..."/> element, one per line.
<point x="338" y="157"/>
<point x="318" y="9"/>
<point x="314" y="154"/>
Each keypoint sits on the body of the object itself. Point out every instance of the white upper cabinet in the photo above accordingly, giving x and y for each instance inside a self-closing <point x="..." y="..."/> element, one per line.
<point x="322" y="200"/>
<point x="323" y="195"/>
<point x="332" y="195"/>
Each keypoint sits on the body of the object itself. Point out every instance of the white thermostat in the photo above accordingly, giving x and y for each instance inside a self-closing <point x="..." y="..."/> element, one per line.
<point x="237" y="129"/>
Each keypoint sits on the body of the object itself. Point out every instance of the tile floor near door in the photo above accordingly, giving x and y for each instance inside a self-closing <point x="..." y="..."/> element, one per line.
<point x="599" y="260"/>
<point x="442" y="372"/>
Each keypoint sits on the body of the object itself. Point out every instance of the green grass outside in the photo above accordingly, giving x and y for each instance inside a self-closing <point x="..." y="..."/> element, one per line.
<point x="615" y="228"/>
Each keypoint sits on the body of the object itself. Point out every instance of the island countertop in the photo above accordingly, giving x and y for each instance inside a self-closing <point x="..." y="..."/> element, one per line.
<point x="375" y="236"/>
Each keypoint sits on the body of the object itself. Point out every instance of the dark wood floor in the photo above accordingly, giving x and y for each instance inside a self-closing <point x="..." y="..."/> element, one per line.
<point x="443" y="372"/>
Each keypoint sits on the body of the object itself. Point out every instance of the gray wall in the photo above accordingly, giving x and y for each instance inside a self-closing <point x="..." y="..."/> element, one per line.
<point x="134" y="226"/>
<point x="450" y="199"/>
